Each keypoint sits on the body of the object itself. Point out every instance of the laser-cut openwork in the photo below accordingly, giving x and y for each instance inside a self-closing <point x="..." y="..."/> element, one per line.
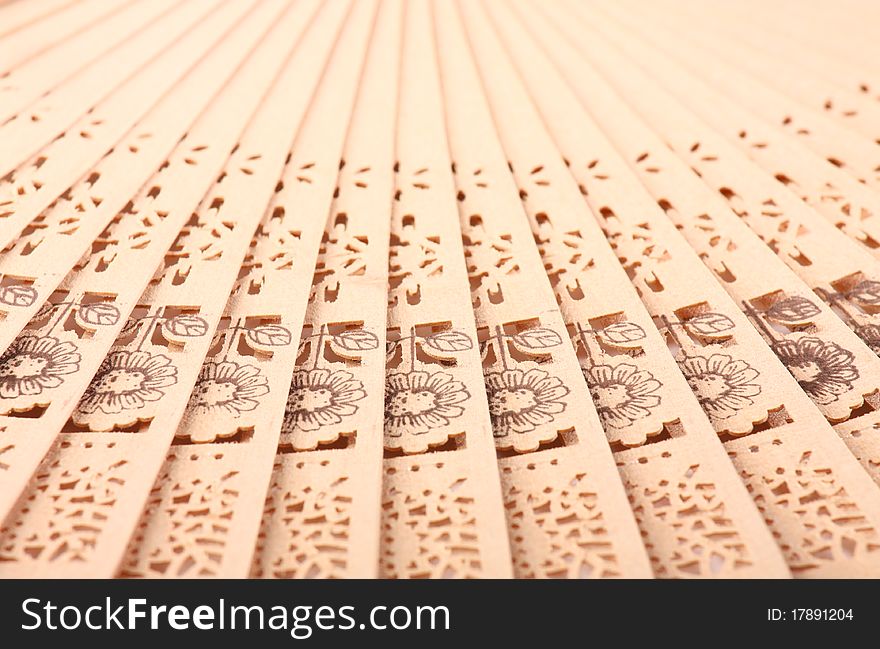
<point x="779" y="421"/>
<point x="331" y="289"/>
<point x="52" y="144"/>
<point x="535" y="383"/>
<point x="121" y="247"/>
<point x="840" y="196"/>
<point x="235" y="409"/>
<point x="188" y="340"/>
<point x="323" y="516"/>
<point x="442" y="512"/>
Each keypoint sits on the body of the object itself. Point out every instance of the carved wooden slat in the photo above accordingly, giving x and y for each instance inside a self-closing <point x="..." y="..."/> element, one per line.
<point x="322" y="515"/>
<point x="439" y="289"/>
<point x="849" y="200"/>
<point x="777" y="58"/>
<point x="442" y="512"/>
<point x="30" y="41"/>
<point x="839" y="32"/>
<point x="39" y="396"/>
<point x="686" y="446"/>
<point x="237" y="407"/>
<point x="45" y="173"/>
<point x="19" y="15"/>
<point x="840" y="272"/>
<point x="702" y="321"/>
<point x="142" y="387"/>
<point x="84" y="216"/>
<point x="23" y="84"/>
<point x="542" y="416"/>
<point x="62" y="108"/>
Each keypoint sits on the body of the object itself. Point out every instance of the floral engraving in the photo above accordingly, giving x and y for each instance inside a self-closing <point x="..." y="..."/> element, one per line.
<point x="417" y="401"/>
<point x="871" y="335"/>
<point x="723" y="385"/>
<point x="18" y="295"/>
<point x="227" y="387"/>
<point x="824" y="370"/>
<point x="623" y="394"/>
<point x="319" y="397"/>
<point x="521" y="401"/>
<point x="32" y="364"/>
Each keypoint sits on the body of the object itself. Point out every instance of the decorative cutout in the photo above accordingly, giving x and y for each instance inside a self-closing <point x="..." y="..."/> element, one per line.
<point x="809" y="496"/>
<point x="307" y="521"/>
<point x="437" y="512"/>
<point x="67" y="509"/>
<point x="558" y="529"/>
<point x="190" y="537"/>
<point x="705" y="542"/>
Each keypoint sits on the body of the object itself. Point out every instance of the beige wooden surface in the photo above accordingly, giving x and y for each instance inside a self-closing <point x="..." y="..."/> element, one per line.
<point x="439" y="289"/>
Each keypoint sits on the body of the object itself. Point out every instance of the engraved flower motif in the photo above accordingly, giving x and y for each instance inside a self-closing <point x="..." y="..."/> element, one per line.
<point x="227" y="387"/>
<point x="623" y="393"/>
<point x="32" y="364"/>
<point x="320" y="397"/>
<point x="521" y="401"/>
<point x="127" y="380"/>
<point x="416" y="402"/>
<point x="722" y="385"/>
<point x="824" y="370"/>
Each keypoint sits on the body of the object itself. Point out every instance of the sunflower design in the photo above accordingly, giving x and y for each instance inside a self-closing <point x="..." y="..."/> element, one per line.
<point x="824" y="370"/>
<point x="722" y="385"/>
<point x="32" y="364"/>
<point x="127" y="380"/>
<point x="320" y="397"/>
<point x="623" y="393"/>
<point x="228" y="388"/>
<point x="416" y="402"/>
<point x="521" y="401"/>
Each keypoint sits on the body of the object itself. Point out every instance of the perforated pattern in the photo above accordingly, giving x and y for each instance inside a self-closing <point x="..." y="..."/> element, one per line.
<point x="439" y="289"/>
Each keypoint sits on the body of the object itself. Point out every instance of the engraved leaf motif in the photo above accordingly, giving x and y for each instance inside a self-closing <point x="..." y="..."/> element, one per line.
<point x="621" y="334"/>
<point x="538" y="338"/>
<point x="710" y="325"/>
<point x="18" y="295"/>
<point x="101" y="313"/>
<point x="272" y="335"/>
<point x="866" y="292"/>
<point x="186" y="326"/>
<point x="356" y="340"/>
<point x="794" y="310"/>
<point x="449" y="341"/>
